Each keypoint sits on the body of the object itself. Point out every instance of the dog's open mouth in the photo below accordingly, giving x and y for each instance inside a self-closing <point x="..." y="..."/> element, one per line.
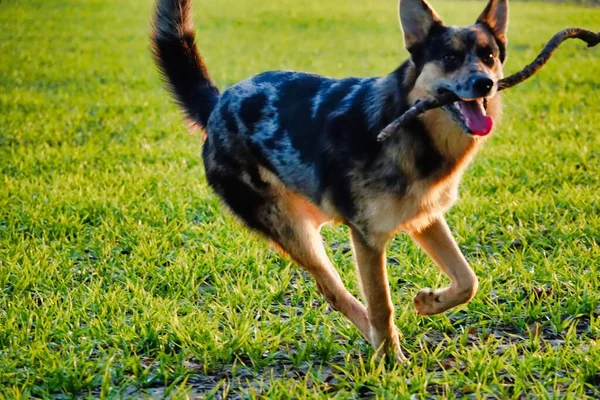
<point x="472" y="116"/>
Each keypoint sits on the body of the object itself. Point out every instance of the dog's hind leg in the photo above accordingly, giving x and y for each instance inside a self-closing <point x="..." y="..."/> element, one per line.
<point x="293" y="224"/>
<point x="438" y="243"/>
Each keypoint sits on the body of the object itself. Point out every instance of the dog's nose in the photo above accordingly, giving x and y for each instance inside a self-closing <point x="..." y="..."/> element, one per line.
<point x="482" y="86"/>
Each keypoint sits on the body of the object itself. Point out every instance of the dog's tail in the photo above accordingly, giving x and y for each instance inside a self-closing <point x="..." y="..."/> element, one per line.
<point x="178" y="59"/>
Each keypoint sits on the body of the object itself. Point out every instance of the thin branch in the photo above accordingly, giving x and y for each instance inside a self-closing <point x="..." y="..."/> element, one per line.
<point x="591" y="38"/>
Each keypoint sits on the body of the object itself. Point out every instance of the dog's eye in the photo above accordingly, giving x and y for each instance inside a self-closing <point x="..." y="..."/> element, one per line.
<point x="450" y="58"/>
<point x="451" y="61"/>
<point x="488" y="58"/>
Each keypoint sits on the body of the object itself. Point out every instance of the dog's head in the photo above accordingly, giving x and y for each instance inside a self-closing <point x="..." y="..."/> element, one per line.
<point x="464" y="60"/>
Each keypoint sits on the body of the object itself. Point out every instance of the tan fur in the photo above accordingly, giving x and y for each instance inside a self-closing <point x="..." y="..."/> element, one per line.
<point x="436" y="240"/>
<point x="375" y="288"/>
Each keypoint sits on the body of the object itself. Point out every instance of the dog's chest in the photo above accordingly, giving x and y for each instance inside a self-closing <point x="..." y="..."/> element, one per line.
<point x="424" y="201"/>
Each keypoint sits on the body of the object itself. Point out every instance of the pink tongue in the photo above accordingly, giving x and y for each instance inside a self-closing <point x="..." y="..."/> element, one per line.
<point x="479" y="123"/>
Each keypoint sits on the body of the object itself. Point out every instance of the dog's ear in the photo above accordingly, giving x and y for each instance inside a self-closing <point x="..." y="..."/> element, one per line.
<point x="495" y="16"/>
<point x="416" y="18"/>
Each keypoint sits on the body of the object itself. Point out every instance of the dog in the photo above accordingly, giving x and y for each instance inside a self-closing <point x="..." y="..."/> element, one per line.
<point x="288" y="152"/>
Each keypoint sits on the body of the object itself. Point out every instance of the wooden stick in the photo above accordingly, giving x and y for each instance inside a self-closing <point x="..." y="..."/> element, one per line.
<point x="421" y="106"/>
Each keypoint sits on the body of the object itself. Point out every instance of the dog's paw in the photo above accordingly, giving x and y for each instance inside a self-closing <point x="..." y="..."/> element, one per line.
<point x="428" y="302"/>
<point x="387" y="347"/>
<point x="391" y="355"/>
<point x="399" y="358"/>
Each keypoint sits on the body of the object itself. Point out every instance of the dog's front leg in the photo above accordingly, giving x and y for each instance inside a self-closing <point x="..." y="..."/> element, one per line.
<point x="371" y="263"/>
<point x="438" y="243"/>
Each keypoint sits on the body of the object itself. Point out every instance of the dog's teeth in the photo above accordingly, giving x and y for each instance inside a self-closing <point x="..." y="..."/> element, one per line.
<point x="482" y="106"/>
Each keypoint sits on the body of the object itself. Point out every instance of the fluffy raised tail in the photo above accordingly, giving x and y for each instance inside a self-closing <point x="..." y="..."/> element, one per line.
<point x="177" y="57"/>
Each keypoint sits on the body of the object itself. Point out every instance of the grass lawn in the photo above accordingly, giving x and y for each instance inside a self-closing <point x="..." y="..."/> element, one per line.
<point x="121" y="275"/>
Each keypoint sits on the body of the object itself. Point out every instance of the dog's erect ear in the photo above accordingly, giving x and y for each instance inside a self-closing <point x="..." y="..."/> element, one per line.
<point x="416" y="18"/>
<point x="495" y="16"/>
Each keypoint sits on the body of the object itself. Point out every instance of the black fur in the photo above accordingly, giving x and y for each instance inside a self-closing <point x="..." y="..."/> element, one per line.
<point x="295" y="113"/>
<point x="251" y="111"/>
<point x="177" y="57"/>
<point x="428" y="159"/>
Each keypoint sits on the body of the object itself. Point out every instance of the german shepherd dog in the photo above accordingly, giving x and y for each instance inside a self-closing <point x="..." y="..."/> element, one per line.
<point x="290" y="151"/>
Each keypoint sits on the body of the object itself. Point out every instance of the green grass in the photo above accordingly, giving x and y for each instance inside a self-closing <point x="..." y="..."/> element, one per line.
<point x="121" y="275"/>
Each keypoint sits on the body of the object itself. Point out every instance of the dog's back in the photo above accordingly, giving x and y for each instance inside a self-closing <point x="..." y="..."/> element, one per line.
<point x="307" y="130"/>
